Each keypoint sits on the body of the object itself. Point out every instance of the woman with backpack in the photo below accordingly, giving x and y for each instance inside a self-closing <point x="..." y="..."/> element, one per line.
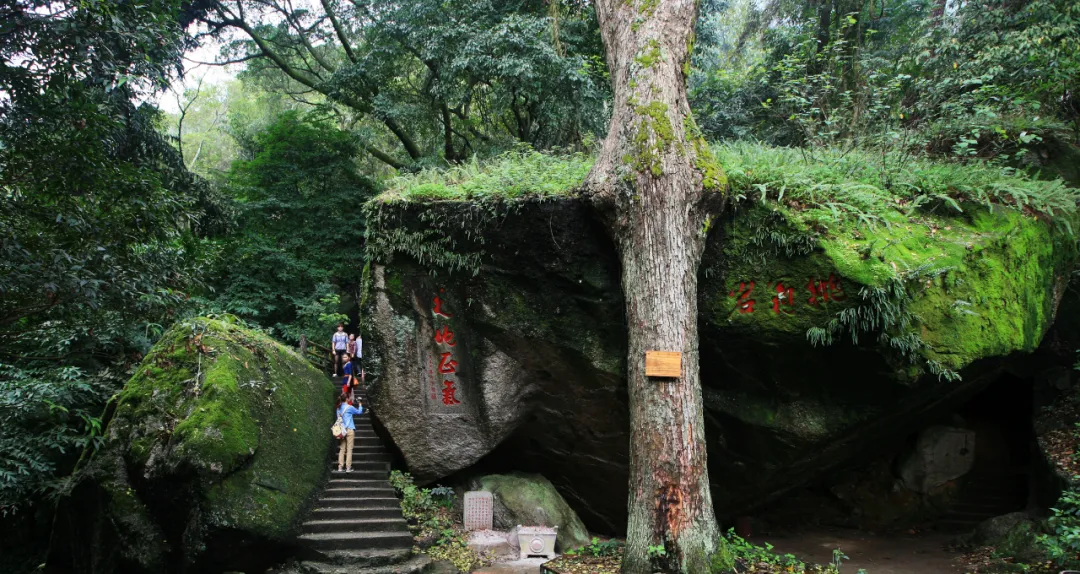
<point x="344" y="429"/>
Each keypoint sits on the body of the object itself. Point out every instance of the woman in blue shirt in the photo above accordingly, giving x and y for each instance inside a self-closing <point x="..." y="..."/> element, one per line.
<point x="345" y="446"/>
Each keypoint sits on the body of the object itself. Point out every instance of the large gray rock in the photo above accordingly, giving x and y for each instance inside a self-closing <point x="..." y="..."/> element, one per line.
<point x="1011" y="535"/>
<point x="531" y="500"/>
<point x="537" y="314"/>
<point x="941" y="454"/>
<point x="215" y="450"/>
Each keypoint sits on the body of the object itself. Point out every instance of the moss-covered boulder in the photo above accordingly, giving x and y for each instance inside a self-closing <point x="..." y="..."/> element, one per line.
<point x="214" y="451"/>
<point x="531" y="500"/>
<point x="838" y="314"/>
<point x="1011" y="535"/>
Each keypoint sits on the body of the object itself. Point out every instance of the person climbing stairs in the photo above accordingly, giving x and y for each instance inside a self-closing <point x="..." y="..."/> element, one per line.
<point x="356" y="525"/>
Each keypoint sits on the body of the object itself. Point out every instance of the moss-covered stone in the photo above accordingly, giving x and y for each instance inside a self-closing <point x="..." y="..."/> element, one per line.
<point x="216" y="446"/>
<point x="1012" y="535"/>
<point x="979" y="284"/>
<point x="531" y="500"/>
<point x="869" y="300"/>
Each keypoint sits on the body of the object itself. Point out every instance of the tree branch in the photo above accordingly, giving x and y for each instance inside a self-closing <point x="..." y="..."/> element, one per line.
<point x="269" y="53"/>
<point x="227" y="62"/>
<point x="406" y="140"/>
<point x="339" y="31"/>
<point x="302" y="35"/>
<point x="384" y="157"/>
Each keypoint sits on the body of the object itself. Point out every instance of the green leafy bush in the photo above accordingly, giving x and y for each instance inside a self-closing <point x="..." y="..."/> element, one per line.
<point x="740" y="555"/>
<point x="1062" y="544"/>
<point x="428" y="511"/>
<point x="597" y="548"/>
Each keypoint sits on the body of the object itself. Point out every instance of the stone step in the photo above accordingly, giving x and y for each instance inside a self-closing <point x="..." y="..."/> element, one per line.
<point x="410" y="565"/>
<point x="358" y="540"/>
<point x="381" y="501"/>
<point x="362" y="428"/>
<point x="362" y="558"/>
<point x="335" y="513"/>
<point x="355" y="475"/>
<point x="370" y="449"/>
<point x="351" y="481"/>
<point x="361" y="492"/>
<point x="360" y="465"/>
<point x="356" y="525"/>
<point x="384" y="490"/>
<point x="362" y="456"/>
<point x="367" y="443"/>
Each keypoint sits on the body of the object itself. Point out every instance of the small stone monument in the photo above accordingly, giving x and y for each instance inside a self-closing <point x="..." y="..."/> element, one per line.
<point x="478" y="510"/>
<point x="537" y="541"/>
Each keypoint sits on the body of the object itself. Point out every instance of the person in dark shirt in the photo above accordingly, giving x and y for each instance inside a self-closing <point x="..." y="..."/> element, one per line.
<point x="348" y="381"/>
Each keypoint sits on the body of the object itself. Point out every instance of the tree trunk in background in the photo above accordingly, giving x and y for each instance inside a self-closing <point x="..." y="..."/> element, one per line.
<point x="656" y="184"/>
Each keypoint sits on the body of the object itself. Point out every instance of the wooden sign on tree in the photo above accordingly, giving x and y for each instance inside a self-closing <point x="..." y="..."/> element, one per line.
<point x="663" y="364"/>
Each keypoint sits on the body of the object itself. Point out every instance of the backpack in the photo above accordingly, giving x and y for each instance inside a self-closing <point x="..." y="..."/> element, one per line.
<point x="338" y="429"/>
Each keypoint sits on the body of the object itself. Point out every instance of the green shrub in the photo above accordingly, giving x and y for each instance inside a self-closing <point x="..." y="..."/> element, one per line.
<point x="596" y="548"/>
<point x="428" y="511"/>
<point x="1062" y="544"/>
<point x="740" y="555"/>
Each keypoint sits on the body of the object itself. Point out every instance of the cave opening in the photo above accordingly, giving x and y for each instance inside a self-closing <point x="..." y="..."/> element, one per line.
<point x="971" y="462"/>
<point x="1001" y="418"/>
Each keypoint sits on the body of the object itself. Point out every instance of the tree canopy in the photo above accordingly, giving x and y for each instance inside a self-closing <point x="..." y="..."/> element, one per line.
<point x="431" y="79"/>
<point x="99" y="221"/>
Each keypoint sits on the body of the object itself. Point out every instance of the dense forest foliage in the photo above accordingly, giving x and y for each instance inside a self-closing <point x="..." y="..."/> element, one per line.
<point x="118" y="219"/>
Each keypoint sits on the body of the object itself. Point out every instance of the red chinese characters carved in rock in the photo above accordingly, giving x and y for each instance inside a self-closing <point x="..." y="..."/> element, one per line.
<point x="784" y="298"/>
<point x="743" y="302"/>
<point x="438" y="310"/>
<point x="447" y="365"/>
<point x="445" y="336"/>
<point x="825" y="290"/>
<point x="449" y="394"/>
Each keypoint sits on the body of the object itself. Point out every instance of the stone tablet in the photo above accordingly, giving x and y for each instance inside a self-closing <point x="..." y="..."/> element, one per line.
<point x="478" y="510"/>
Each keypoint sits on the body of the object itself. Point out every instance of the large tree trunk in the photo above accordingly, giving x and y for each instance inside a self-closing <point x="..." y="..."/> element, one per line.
<point x="657" y="185"/>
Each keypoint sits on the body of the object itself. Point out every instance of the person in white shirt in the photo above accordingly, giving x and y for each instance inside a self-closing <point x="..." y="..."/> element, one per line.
<point x="339" y="343"/>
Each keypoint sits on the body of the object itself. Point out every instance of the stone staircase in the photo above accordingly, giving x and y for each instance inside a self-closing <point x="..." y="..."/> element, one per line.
<point x="356" y="526"/>
<point x="987" y="492"/>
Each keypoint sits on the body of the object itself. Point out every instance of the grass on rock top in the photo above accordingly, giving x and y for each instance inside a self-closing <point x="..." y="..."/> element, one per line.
<point x="516" y="174"/>
<point x="829" y="186"/>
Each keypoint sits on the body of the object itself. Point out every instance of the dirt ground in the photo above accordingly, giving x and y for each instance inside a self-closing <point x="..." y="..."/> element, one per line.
<point x="892" y="554"/>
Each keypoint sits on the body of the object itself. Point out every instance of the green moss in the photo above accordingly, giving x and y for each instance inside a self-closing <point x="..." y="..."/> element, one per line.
<point x="945" y="290"/>
<point x="648" y="7"/>
<point x="712" y="174"/>
<point x="654" y="136"/>
<point x="394" y="284"/>
<point x="649" y="54"/>
<point x="532" y="499"/>
<point x="246" y="415"/>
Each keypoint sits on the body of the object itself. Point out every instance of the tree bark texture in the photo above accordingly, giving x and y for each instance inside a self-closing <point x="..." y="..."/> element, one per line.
<point x="657" y="185"/>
